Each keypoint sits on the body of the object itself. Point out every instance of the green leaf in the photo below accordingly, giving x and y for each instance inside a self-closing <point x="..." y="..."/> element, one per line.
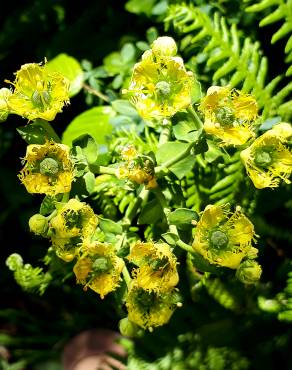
<point x="186" y="131"/>
<point x="88" y="146"/>
<point x="182" y="216"/>
<point x="125" y="108"/>
<point x="170" y="238"/>
<point x="38" y="132"/>
<point x="181" y="168"/>
<point x="213" y="152"/>
<point x="169" y="150"/>
<point x="94" y="122"/>
<point x="109" y="226"/>
<point x="128" y="53"/>
<point x="196" y="92"/>
<point x="89" y="179"/>
<point x="70" y="68"/>
<point x="151" y="213"/>
<point x="140" y="6"/>
<point x="48" y="204"/>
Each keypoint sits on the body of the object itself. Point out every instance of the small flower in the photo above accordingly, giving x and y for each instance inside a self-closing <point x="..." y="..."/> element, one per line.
<point x="38" y="93"/>
<point x="228" y="115"/>
<point x="157" y="266"/>
<point x="137" y="168"/>
<point x="160" y="85"/>
<point x="48" y="169"/>
<point x="99" y="268"/>
<point x="267" y="160"/>
<point x="222" y="238"/>
<point x="4" y="110"/>
<point x="150" y="309"/>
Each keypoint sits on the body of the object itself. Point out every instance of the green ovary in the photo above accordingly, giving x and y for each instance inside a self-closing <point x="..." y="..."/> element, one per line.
<point x="49" y="166"/>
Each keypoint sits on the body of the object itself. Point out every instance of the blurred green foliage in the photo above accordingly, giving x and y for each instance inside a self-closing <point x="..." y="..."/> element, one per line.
<point x="218" y="329"/>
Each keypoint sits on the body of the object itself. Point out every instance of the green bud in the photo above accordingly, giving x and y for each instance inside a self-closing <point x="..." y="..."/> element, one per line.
<point x="40" y="99"/>
<point x="263" y="158"/>
<point x="162" y="88"/>
<point x="128" y="328"/>
<point x="219" y="239"/>
<point x="225" y="116"/>
<point x="249" y="272"/>
<point x="38" y="224"/>
<point x="165" y="46"/>
<point x="14" y="261"/>
<point x="101" y="264"/>
<point x="49" y="166"/>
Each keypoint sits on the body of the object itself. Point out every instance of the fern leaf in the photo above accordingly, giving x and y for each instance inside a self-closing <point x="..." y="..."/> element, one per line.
<point x="283" y="12"/>
<point x="228" y="57"/>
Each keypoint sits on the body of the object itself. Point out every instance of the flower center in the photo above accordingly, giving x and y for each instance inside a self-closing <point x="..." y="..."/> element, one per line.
<point x="263" y="158"/>
<point x="40" y="99"/>
<point x="162" y="88"/>
<point x="144" y="300"/>
<point x="219" y="239"/>
<point x="159" y="263"/>
<point x="225" y="115"/>
<point x="101" y="264"/>
<point x="49" y="166"/>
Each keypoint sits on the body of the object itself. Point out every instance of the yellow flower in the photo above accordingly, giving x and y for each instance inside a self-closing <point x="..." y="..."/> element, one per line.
<point x="73" y="225"/>
<point x="267" y="160"/>
<point x="137" y="168"/>
<point x="160" y="85"/>
<point x="99" y="268"/>
<point x="149" y="308"/>
<point x="48" y="169"/>
<point x="4" y="110"/>
<point x="157" y="266"/>
<point x="228" y="115"/>
<point x="38" y="93"/>
<point x="222" y="238"/>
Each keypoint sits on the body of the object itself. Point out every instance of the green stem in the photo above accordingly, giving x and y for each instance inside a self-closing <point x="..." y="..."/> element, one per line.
<point x="95" y="92"/>
<point x="66" y="197"/>
<point x="196" y="119"/>
<point x="126" y="276"/>
<point x="164" y="135"/>
<point x="133" y="207"/>
<point x="161" y="199"/>
<point x="184" y="246"/>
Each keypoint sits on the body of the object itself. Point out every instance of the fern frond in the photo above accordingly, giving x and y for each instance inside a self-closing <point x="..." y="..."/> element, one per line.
<point x="279" y="10"/>
<point x="31" y="279"/>
<point x="230" y="60"/>
<point x="222" y="294"/>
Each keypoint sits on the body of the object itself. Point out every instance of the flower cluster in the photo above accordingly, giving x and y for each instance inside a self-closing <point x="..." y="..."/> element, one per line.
<point x="160" y="85"/>
<point x="223" y="238"/>
<point x="152" y="297"/>
<point x="38" y="93"/>
<point x="228" y="115"/>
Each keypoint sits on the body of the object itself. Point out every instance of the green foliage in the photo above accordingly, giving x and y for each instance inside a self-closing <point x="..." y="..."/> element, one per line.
<point x="229" y="59"/>
<point x="279" y="10"/>
<point x="31" y="279"/>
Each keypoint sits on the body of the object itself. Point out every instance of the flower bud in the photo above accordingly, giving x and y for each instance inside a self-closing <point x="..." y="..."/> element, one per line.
<point x="128" y="328"/>
<point x="38" y="224"/>
<point x="165" y="46"/>
<point x="249" y="272"/>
